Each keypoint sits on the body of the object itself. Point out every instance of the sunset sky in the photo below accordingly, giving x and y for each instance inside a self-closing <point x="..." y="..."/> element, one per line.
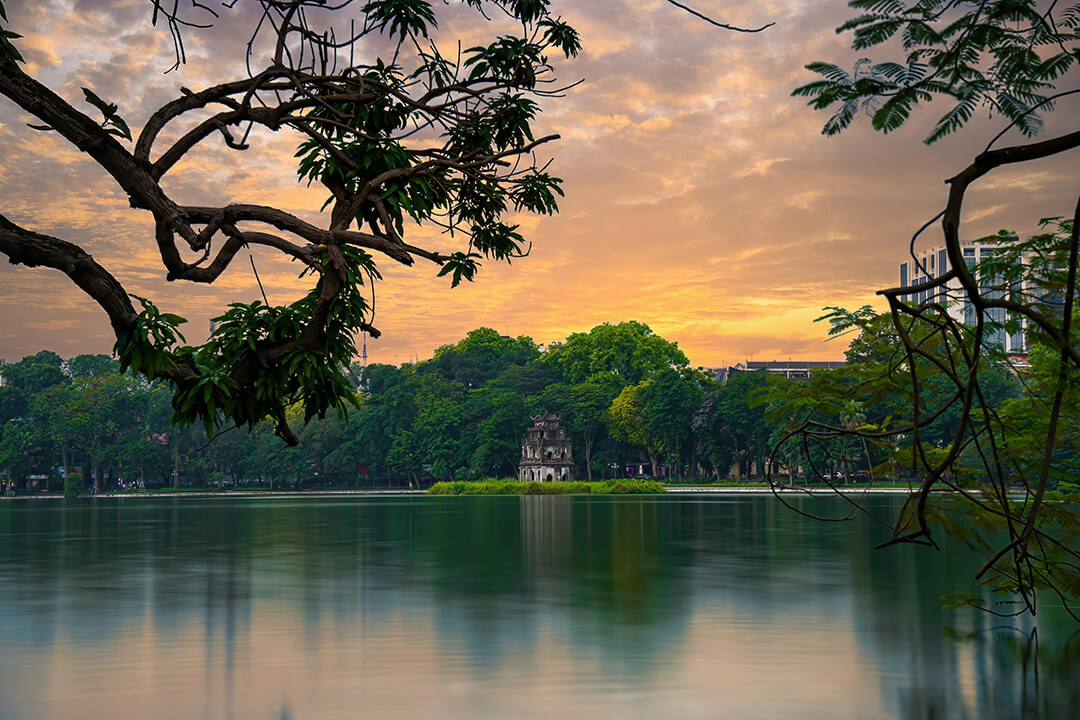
<point x="702" y="198"/>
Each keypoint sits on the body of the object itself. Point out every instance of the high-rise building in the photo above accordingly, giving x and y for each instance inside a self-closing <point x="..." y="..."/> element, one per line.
<point x="934" y="262"/>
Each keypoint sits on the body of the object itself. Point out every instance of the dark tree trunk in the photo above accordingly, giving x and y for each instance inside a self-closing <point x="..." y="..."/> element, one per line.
<point x="67" y="468"/>
<point x="94" y="474"/>
<point x="588" y="457"/>
<point x="176" y="468"/>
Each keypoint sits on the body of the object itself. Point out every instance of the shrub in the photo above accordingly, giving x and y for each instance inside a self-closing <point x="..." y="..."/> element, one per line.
<point x="73" y="485"/>
<point x="629" y="487"/>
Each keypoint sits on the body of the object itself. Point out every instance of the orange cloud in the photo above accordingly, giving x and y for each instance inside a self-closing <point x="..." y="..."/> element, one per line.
<point x="701" y="198"/>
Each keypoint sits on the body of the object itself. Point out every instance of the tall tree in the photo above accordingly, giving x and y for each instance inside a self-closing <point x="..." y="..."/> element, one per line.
<point x="494" y="422"/>
<point x="27" y="378"/>
<point x="89" y="415"/>
<point x="627" y="421"/>
<point x="481" y="355"/>
<point x="13" y="465"/>
<point x="629" y="352"/>
<point x="669" y="402"/>
<point x="582" y="408"/>
<point x="714" y="435"/>
<point x="84" y="366"/>
<point x="746" y="415"/>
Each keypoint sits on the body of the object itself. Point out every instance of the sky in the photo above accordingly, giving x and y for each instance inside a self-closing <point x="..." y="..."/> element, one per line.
<point x="701" y="198"/>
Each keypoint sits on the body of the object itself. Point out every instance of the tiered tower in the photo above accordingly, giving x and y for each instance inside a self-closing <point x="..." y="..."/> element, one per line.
<point x="545" y="452"/>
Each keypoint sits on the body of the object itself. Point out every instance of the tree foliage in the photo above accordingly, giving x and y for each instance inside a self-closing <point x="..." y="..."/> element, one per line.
<point x="1017" y="58"/>
<point x="629" y="352"/>
<point x="458" y="415"/>
<point x="1007" y="56"/>
<point x="414" y="137"/>
<point x="481" y="355"/>
<point x="920" y="397"/>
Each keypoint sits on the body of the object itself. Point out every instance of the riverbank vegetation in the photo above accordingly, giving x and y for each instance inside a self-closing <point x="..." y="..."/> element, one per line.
<point x="628" y="398"/>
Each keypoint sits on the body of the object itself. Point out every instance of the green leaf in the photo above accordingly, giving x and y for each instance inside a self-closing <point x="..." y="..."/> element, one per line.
<point x="106" y="109"/>
<point x="121" y="128"/>
<point x="893" y="113"/>
<point x="7" y="48"/>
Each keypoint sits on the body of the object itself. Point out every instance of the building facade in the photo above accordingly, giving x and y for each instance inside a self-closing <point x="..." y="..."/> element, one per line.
<point x="791" y="369"/>
<point x="546" y="454"/>
<point x="934" y="263"/>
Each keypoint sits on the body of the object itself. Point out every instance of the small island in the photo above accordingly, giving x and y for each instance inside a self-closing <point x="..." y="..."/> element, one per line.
<point x="631" y="486"/>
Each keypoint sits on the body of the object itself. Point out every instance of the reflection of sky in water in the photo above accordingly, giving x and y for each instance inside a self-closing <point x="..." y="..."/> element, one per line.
<point x="493" y="607"/>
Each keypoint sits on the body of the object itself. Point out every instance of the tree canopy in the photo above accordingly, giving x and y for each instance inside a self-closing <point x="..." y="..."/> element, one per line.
<point x="458" y="415"/>
<point x="628" y="352"/>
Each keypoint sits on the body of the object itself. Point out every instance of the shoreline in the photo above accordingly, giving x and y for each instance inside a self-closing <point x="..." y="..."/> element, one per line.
<point x="403" y="492"/>
<point x="789" y="490"/>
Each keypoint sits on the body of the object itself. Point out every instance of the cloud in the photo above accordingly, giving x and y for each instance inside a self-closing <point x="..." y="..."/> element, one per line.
<point x="760" y="167"/>
<point x="701" y="197"/>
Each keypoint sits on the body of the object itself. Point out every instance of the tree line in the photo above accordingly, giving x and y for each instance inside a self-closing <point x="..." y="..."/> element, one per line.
<point x="627" y="396"/>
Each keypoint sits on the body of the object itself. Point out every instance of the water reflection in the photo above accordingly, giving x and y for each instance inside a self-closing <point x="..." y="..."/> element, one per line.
<point x="497" y="607"/>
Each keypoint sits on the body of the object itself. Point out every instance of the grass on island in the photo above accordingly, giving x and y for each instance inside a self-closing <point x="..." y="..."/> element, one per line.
<point x="513" y="487"/>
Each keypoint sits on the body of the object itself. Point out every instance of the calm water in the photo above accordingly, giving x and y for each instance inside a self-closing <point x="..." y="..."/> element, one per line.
<point x="498" y="607"/>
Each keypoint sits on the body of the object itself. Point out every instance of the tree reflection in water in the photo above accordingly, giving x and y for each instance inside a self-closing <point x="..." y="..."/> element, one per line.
<point x="498" y="606"/>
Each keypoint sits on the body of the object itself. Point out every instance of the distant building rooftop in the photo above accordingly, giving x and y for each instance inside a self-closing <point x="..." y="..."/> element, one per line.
<point x="782" y="365"/>
<point x="791" y="369"/>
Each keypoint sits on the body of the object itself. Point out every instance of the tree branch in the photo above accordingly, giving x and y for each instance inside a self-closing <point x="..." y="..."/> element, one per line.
<point x="718" y="24"/>
<point x="26" y="247"/>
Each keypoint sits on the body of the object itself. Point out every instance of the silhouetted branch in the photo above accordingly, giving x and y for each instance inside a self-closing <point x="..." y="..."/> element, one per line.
<point x="717" y="23"/>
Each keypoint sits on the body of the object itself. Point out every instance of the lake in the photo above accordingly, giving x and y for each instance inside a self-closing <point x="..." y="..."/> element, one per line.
<point x="312" y="608"/>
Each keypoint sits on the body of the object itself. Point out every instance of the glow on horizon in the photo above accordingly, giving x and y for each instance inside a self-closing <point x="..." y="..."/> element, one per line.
<point x="701" y="199"/>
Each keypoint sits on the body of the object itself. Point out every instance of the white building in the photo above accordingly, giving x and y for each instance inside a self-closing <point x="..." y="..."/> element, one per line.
<point x="935" y="262"/>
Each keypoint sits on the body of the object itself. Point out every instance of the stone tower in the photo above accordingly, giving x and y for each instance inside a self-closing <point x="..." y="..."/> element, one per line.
<point x="545" y="452"/>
